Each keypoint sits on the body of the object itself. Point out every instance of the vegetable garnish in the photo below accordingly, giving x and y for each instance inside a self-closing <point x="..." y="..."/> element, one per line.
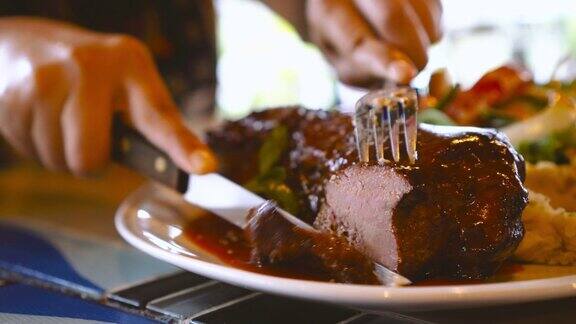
<point x="554" y="147"/>
<point x="271" y="178"/>
<point x="435" y="117"/>
<point x="448" y="98"/>
<point x="560" y="116"/>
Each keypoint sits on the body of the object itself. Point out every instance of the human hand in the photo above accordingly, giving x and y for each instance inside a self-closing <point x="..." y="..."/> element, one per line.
<point x="369" y="41"/>
<point x="60" y="86"/>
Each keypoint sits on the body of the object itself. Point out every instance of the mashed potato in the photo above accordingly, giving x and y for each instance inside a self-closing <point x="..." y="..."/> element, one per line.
<point x="550" y="236"/>
<point x="557" y="182"/>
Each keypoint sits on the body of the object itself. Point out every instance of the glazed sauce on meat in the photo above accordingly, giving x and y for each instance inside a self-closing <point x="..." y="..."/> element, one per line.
<point x="457" y="211"/>
<point x="454" y="199"/>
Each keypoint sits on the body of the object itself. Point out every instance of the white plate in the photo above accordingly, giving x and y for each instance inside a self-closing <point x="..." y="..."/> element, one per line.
<point x="151" y="219"/>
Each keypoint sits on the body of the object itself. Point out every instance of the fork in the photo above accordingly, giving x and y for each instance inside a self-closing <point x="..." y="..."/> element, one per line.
<point x="378" y="118"/>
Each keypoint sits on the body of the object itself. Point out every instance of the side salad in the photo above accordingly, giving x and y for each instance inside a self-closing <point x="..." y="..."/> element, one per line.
<point x="539" y="119"/>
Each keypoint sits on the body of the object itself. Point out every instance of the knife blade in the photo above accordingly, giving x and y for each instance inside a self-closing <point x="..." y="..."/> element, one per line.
<point x="211" y="192"/>
<point x="227" y="199"/>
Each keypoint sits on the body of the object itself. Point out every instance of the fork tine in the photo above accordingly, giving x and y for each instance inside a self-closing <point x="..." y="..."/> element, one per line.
<point x="380" y="122"/>
<point x="393" y="113"/>
<point x="362" y="130"/>
<point x="410" y="111"/>
<point x="380" y="117"/>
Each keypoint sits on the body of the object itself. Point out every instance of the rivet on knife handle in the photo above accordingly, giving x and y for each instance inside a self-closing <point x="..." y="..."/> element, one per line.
<point x="132" y="150"/>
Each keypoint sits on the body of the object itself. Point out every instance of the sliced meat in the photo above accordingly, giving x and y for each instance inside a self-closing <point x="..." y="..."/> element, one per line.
<point x="359" y="205"/>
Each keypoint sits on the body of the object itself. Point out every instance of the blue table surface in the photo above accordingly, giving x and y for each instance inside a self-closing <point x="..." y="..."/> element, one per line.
<point x="22" y="303"/>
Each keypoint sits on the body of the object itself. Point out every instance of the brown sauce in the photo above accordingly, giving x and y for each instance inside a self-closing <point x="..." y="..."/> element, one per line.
<point x="229" y="244"/>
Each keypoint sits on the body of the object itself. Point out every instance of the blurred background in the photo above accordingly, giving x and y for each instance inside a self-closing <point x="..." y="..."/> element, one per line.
<point x="263" y="62"/>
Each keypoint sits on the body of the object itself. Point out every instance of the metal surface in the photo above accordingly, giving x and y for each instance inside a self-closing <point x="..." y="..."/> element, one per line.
<point x="227" y="199"/>
<point x="140" y="295"/>
<point x="381" y="117"/>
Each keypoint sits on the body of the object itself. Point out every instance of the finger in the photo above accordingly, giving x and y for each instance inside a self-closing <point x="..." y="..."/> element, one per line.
<point x="372" y="61"/>
<point x="342" y="26"/>
<point x="350" y="44"/>
<point x="430" y="14"/>
<point x="47" y="136"/>
<point x="156" y="116"/>
<point x="50" y="90"/>
<point x="15" y="123"/>
<point x="396" y="22"/>
<point x="86" y="125"/>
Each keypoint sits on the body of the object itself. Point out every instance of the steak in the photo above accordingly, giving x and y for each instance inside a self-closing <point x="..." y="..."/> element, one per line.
<point x="455" y="213"/>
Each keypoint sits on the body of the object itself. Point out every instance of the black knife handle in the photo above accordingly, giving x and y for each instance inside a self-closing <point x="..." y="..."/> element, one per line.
<point x="132" y="150"/>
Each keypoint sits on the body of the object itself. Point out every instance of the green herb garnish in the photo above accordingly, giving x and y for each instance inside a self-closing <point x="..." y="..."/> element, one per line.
<point x="271" y="179"/>
<point x="272" y="149"/>
<point x="497" y="119"/>
<point x="435" y="117"/>
<point x="448" y="98"/>
<point x="551" y="148"/>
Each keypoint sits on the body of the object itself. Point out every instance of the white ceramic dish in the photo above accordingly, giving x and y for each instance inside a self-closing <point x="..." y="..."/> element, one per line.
<point x="151" y="220"/>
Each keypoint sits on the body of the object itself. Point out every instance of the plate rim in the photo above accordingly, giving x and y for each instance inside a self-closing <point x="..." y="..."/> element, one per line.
<point x="361" y="296"/>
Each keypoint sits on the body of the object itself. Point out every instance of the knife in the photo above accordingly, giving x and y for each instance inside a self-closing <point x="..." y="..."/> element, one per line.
<point x="211" y="192"/>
